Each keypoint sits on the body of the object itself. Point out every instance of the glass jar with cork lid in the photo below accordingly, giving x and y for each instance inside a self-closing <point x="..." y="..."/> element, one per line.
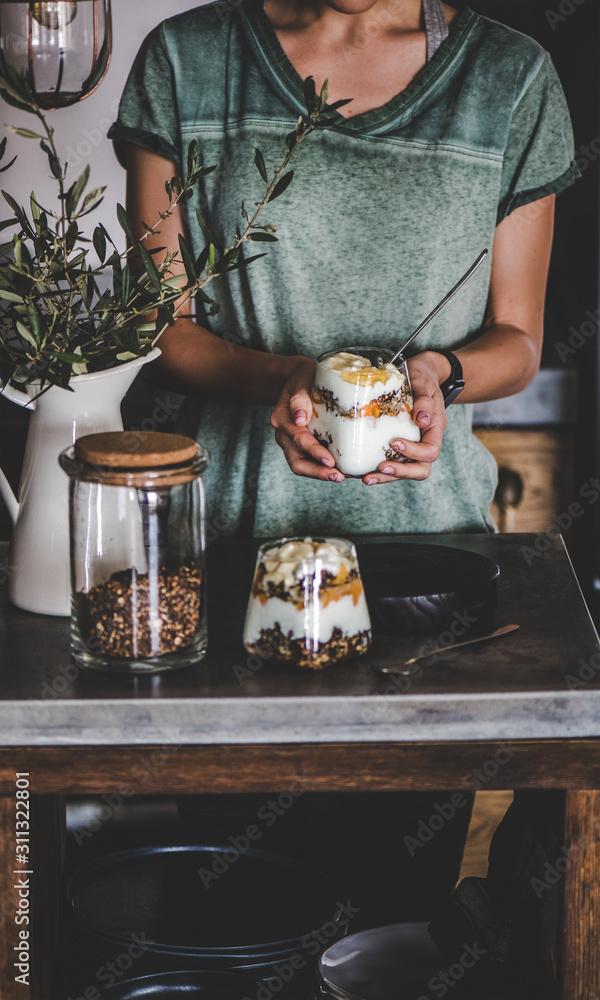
<point x="137" y="520"/>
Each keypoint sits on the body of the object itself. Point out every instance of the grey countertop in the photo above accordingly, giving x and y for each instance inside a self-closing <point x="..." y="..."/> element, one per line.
<point x="543" y="681"/>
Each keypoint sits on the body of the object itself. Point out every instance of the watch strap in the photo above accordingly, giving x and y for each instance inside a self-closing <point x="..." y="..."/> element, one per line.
<point x="455" y="383"/>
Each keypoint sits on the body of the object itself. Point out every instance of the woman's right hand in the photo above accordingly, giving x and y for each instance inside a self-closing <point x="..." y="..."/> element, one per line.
<point x="292" y="413"/>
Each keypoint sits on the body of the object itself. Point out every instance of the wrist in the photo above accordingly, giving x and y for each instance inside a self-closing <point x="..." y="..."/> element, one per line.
<point x="441" y="366"/>
<point x="281" y="369"/>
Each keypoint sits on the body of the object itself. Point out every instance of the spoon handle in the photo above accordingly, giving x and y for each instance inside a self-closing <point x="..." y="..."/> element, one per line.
<point x="468" y="642"/>
<point x="440" y="306"/>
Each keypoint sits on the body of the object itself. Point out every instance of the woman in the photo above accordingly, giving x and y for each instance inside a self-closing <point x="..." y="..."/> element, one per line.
<point x="444" y="147"/>
<point x="457" y="138"/>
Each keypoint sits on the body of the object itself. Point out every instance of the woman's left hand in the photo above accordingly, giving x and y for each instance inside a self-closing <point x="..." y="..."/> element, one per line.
<point x="425" y="372"/>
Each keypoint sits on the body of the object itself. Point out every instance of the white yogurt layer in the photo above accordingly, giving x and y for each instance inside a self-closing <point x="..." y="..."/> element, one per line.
<point x="313" y="623"/>
<point x="359" y="444"/>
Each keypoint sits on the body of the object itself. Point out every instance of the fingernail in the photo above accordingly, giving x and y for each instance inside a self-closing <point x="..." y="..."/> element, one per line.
<point x="388" y="471"/>
<point x="398" y="445"/>
<point x="370" y="482"/>
<point x="328" y="462"/>
<point x="335" y="479"/>
<point x="300" y="417"/>
<point x="423" y="417"/>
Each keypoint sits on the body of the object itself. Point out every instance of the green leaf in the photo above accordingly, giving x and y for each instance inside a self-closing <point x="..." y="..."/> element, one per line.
<point x="107" y="234"/>
<point x="339" y="104"/>
<point x="164" y="317"/>
<point x="26" y="334"/>
<point x="20" y="214"/>
<point x="71" y="236"/>
<point x="310" y="94"/>
<point x="291" y="139"/>
<point x="192" y="156"/>
<point x="125" y="223"/>
<point x="282" y="185"/>
<point x="69" y="357"/>
<point x="246" y="261"/>
<point x="327" y="122"/>
<point x="100" y="243"/>
<point x="150" y="267"/>
<point x="8" y="166"/>
<point x="126" y="278"/>
<point x="92" y="200"/>
<point x="36" y="323"/>
<point x="203" y="172"/>
<point x="188" y="260"/>
<point x="202" y="261"/>
<point x="11" y="201"/>
<point x="55" y="166"/>
<point x="211" y="256"/>
<point x="8" y="94"/>
<point x="209" y="235"/>
<point x="75" y="192"/>
<point x="11" y="296"/>
<point x="36" y="211"/>
<point x="260" y="165"/>
<point x="26" y="133"/>
<point x="262" y="238"/>
<point x="7" y="224"/>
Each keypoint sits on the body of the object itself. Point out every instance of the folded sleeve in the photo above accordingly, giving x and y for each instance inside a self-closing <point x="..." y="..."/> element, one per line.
<point x="539" y="156"/>
<point x="148" y="109"/>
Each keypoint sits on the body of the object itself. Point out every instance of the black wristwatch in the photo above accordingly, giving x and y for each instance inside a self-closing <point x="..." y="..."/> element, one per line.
<point x="454" y="385"/>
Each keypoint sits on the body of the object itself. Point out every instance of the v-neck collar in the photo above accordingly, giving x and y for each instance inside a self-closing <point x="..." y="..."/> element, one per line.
<point x="283" y="72"/>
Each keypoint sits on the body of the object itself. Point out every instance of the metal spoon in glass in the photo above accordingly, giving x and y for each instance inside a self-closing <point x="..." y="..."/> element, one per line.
<point x="468" y="274"/>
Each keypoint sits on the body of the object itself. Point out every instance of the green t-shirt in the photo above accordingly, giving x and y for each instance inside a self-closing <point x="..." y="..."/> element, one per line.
<point x="385" y="212"/>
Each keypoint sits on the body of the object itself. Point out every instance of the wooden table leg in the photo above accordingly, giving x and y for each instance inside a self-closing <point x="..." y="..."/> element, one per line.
<point x="36" y="914"/>
<point x="581" y="958"/>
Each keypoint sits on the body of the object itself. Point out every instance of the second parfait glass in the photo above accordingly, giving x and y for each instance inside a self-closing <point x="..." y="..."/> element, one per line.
<point x="307" y="605"/>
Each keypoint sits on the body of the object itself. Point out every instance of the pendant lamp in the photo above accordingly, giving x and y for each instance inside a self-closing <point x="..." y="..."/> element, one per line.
<point x="63" y="46"/>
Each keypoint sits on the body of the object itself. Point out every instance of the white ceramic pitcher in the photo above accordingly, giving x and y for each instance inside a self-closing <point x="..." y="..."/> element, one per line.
<point x="39" y="565"/>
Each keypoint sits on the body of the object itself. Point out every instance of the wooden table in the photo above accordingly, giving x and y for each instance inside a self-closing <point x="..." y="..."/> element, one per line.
<point x="234" y="724"/>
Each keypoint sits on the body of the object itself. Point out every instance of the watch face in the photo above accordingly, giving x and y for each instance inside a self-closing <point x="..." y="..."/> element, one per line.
<point x="452" y="390"/>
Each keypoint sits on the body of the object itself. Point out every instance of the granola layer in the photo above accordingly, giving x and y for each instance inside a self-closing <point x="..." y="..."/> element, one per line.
<point x="273" y="643"/>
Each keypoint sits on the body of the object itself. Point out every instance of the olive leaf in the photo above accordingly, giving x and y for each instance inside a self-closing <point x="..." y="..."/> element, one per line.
<point x="282" y="185"/>
<point x="260" y="164"/>
<point x="125" y="223"/>
<point x="262" y="238"/>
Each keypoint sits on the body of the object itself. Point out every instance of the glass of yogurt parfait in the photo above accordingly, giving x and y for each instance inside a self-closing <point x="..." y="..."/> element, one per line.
<point x="307" y="605"/>
<point x="361" y="403"/>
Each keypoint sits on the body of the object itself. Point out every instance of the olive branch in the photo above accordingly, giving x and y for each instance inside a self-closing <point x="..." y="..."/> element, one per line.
<point x="55" y="321"/>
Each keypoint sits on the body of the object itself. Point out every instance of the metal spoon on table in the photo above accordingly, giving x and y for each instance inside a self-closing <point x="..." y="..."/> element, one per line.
<point x="402" y="672"/>
<point x="459" y="284"/>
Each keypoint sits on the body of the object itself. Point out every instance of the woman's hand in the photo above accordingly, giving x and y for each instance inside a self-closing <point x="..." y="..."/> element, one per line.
<point x="293" y="411"/>
<point x="426" y="372"/>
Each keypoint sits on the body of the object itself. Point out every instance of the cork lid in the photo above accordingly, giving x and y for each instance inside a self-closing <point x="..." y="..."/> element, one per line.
<point x="138" y="459"/>
<point x="135" y="449"/>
